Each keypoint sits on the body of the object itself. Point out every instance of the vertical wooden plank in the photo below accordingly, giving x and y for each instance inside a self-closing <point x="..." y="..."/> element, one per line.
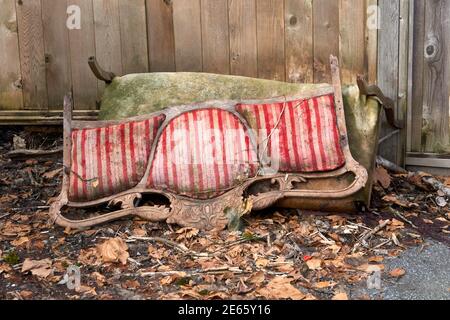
<point x="188" y="35"/>
<point x="417" y="76"/>
<point x="10" y="92"/>
<point x="56" y="42"/>
<point x="242" y="19"/>
<point x="270" y="28"/>
<point x="352" y="25"/>
<point x="388" y="67"/>
<point x="32" y="59"/>
<point x="82" y="46"/>
<point x="215" y="36"/>
<point x="326" y="37"/>
<point x="403" y="77"/>
<point x="299" y="41"/>
<point x="437" y="76"/>
<point x="371" y="51"/>
<point x="133" y="35"/>
<point x="160" y="35"/>
<point x="107" y="37"/>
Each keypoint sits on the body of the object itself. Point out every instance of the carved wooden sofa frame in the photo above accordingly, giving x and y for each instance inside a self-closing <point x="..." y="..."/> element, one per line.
<point x="330" y="190"/>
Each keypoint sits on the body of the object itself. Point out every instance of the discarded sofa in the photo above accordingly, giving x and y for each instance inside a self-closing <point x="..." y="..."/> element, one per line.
<point x="158" y="155"/>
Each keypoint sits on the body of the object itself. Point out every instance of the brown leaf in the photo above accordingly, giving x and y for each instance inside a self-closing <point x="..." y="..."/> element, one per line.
<point x="20" y="241"/>
<point x="5" y="268"/>
<point x="26" y="294"/>
<point x="187" y="233"/>
<point x="88" y="257"/>
<point x="257" y="278"/>
<point x="40" y="268"/>
<point x="397" y="273"/>
<point x="340" y="296"/>
<point x="99" y="278"/>
<point x="113" y="250"/>
<point x="402" y="203"/>
<point x="314" y="264"/>
<point x="281" y="288"/>
<point x="86" y="290"/>
<point x="139" y="232"/>
<point x="51" y="174"/>
<point x="382" y="176"/>
<point x="131" y="284"/>
<point x="377" y="259"/>
<point x="261" y="262"/>
<point x="324" y="284"/>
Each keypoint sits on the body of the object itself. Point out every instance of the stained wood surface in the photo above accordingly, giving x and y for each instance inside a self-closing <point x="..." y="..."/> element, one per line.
<point x="215" y="36"/>
<point x="299" y="41"/>
<point x="437" y="76"/>
<point x="160" y="35"/>
<point x="188" y="35"/>
<point x="288" y="40"/>
<point x="32" y="55"/>
<point x="243" y="42"/>
<point x="10" y="90"/>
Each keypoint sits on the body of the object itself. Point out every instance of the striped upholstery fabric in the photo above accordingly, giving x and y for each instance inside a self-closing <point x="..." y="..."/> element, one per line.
<point x="306" y="138"/>
<point x="202" y="154"/>
<point x="108" y="160"/>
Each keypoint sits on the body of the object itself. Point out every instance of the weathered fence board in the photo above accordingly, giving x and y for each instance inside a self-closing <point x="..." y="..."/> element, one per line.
<point x="188" y="35"/>
<point x="82" y="46"/>
<point x="243" y="43"/>
<point x="287" y="40"/>
<point x="57" y="57"/>
<point x="352" y="30"/>
<point x="107" y="37"/>
<point x="10" y="93"/>
<point x="388" y="67"/>
<point x="133" y="35"/>
<point x="437" y="76"/>
<point x="32" y="54"/>
<point x="417" y="77"/>
<point x="299" y="41"/>
<point x="160" y="35"/>
<point x="326" y="37"/>
<point x="215" y="36"/>
<point x="270" y="26"/>
<point x="430" y="77"/>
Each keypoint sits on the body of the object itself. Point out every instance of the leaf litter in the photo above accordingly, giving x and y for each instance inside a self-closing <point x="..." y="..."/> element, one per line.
<point x="279" y="254"/>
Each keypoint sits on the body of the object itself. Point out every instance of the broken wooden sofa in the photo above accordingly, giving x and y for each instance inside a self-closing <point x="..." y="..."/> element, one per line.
<point x="201" y="164"/>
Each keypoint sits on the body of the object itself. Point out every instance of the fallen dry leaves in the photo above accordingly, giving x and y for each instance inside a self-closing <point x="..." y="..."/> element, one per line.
<point x="281" y="288"/>
<point x="281" y="255"/>
<point x="397" y="273"/>
<point x="39" y="268"/>
<point x="113" y="250"/>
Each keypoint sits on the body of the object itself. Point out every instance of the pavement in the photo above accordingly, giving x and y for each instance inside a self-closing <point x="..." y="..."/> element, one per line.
<point x="427" y="275"/>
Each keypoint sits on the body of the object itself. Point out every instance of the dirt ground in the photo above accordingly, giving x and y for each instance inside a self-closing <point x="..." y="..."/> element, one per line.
<point x="280" y="254"/>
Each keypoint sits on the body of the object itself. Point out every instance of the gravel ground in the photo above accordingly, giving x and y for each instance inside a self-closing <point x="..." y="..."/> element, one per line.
<point x="427" y="274"/>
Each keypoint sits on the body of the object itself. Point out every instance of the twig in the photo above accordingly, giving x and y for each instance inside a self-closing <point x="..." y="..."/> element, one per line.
<point x="172" y="244"/>
<point x="374" y="231"/>
<point x="388" y="165"/>
<point x="194" y="272"/>
<point x="6" y="215"/>
<point x="400" y="216"/>
<point x="367" y="235"/>
<point x="381" y="245"/>
<point x="34" y="153"/>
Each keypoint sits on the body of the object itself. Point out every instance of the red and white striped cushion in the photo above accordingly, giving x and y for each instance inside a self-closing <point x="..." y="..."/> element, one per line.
<point x="306" y="137"/>
<point x="202" y="154"/>
<point x="108" y="160"/>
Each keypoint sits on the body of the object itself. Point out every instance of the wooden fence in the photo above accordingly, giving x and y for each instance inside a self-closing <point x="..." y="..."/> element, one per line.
<point x="286" y="40"/>
<point x="429" y="113"/>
